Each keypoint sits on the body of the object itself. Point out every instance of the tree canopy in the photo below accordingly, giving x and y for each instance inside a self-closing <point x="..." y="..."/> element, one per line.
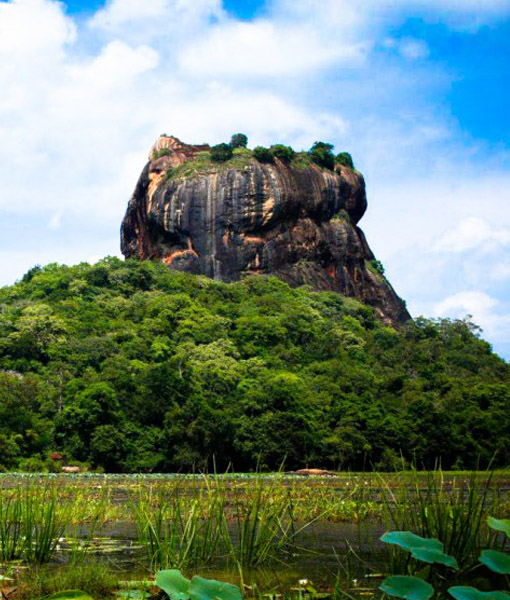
<point x="128" y="366"/>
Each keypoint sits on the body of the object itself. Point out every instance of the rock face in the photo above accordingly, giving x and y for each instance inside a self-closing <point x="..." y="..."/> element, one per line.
<point x="297" y="221"/>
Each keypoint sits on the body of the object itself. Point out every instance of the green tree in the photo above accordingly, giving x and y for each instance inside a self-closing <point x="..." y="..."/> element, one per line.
<point x="263" y="155"/>
<point x="239" y="140"/>
<point x="221" y="152"/>
<point x="283" y="153"/>
<point x="345" y="159"/>
<point x="322" y="155"/>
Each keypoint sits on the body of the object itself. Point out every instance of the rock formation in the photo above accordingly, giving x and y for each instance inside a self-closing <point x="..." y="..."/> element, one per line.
<point x="297" y="221"/>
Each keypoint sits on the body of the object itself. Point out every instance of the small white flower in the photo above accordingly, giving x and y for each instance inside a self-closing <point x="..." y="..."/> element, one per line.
<point x="303" y="582"/>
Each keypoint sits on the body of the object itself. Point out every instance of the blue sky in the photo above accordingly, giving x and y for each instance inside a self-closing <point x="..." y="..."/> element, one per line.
<point x="416" y="90"/>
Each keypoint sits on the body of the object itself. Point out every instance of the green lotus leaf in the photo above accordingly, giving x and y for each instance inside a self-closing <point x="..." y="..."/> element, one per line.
<point x="173" y="583"/>
<point x="210" y="589"/>
<point x="460" y="592"/>
<point x="70" y="595"/>
<point x="496" y="561"/>
<point x="499" y="525"/>
<point x="408" y="541"/>
<point x="434" y="556"/>
<point x="410" y="588"/>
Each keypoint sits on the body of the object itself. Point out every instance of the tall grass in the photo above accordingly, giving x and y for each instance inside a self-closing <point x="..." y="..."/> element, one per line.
<point x="31" y="523"/>
<point x="179" y="526"/>
<point x="213" y="519"/>
<point x="96" y="579"/>
<point x="263" y="529"/>
<point x="11" y="528"/>
<point x="453" y="510"/>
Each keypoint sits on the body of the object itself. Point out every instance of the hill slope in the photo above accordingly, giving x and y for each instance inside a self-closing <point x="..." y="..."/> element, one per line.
<point x="129" y="367"/>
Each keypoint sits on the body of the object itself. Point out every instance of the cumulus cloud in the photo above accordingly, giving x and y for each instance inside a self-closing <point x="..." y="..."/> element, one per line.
<point x="473" y="232"/>
<point x="31" y="28"/>
<point x="460" y="14"/>
<point x="170" y="20"/>
<point x="265" y="48"/>
<point x="489" y="313"/>
<point x="462" y="303"/>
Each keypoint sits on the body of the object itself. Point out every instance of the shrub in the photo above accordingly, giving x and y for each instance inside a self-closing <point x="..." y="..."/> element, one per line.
<point x="162" y="152"/>
<point x="322" y="155"/>
<point x="263" y="155"/>
<point x="322" y="146"/>
<point x="221" y="152"/>
<point x="344" y="159"/>
<point x="284" y="153"/>
<point x="378" y="266"/>
<point x="239" y="140"/>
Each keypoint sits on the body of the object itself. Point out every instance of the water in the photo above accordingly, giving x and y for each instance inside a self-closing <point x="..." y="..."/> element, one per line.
<point x="323" y="552"/>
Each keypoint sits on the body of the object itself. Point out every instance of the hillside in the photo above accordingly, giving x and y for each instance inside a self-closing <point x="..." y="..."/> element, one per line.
<point x="128" y="366"/>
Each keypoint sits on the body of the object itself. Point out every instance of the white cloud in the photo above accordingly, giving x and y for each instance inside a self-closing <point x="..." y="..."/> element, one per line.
<point x="169" y="20"/>
<point x="473" y="232"/>
<point x="55" y="221"/>
<point x="460" y="14"/>
<point x="489" y="313"/>
<point x="413" y="49"/>
<point x="463" y="303"/>
<point x="33" y="27"/>
<point x="266" y="48"/>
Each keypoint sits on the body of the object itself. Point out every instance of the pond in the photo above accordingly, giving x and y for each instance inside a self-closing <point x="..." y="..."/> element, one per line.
<point x="265" y="532"/>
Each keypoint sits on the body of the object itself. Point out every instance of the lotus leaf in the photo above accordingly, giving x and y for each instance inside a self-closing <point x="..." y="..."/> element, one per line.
<point x="469" y="593"/>
<point x="210" y="589"/>
<point x="434" y="556"/>
<point x="173" y="583"/>
<point x="500" y="525"/>
<point x="410" y="588"/>
<point x="408" y="541"/>
<point x="496" y="561"/>
<point x="70" y="595"/>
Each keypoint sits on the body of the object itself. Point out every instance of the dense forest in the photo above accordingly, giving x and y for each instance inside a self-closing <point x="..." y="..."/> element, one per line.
<point x="127" y="366"/>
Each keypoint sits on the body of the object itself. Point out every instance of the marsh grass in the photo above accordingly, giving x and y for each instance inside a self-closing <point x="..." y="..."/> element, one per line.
<point x="215" y="520"/>
<point x="96" y="579"/>
<point x="11" y="528"/>
<point x="178" y="526"/>
<point x="265" y="528"/>
<point x="453" y="510"/>
<point x="31" y="523"/>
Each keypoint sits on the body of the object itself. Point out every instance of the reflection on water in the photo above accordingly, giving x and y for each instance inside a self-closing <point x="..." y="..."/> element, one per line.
<point x="323" y="551"/>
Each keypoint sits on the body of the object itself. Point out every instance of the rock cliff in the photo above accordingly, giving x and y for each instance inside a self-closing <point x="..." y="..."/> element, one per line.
<point x="297" y="221"/>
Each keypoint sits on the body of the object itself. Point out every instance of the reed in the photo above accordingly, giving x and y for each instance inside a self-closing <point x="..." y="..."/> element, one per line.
<point x="11" y="529"/>
<point x="264" y="528"/>
<point x="31" y="523"/>
<point x="179" y="526"/>
<point x="214" y="518"/>
<point x="453" y="510"/>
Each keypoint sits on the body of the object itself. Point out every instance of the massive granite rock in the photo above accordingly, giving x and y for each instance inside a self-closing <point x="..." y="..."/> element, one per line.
<point x="225" y="221"/>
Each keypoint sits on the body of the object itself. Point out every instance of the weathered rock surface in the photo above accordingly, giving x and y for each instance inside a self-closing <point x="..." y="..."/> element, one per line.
<point x="296" y="222"/>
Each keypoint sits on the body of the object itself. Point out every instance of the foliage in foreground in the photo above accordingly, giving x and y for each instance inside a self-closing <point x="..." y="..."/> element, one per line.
<point x="130" y="367"/>
<point x="442" y="569"/>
